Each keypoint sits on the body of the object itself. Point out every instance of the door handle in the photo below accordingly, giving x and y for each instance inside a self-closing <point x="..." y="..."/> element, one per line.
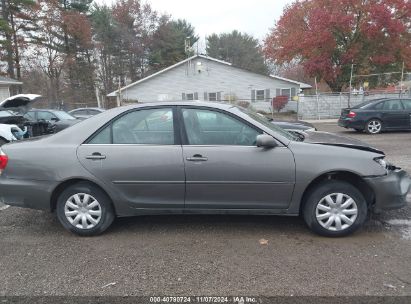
<point x="96" y="156"/>
<point x="197" y="158"/>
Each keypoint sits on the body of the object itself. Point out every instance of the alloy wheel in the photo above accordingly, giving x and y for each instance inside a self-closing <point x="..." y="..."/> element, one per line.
<point x="83" y="211"/>
<point x="374" y="126"/>
<point x="336" y="212"/>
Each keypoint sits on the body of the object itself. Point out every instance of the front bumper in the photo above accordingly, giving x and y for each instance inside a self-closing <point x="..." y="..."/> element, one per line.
<point x="26" y="193"/>
<point x="390" y="190"/>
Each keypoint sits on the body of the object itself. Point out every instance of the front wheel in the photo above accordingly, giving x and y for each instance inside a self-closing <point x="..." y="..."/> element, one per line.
<point x="84" y="209"/>
<point x="374" y="126"/>
<point x="335" y="208"/>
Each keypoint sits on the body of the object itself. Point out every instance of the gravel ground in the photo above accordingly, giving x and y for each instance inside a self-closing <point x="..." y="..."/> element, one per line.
<point x="210" y="255"/>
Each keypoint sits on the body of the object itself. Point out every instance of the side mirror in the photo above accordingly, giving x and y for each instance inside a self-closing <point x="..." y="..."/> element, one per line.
<point x="55" y="119"/>
<point x="266" y="141"/>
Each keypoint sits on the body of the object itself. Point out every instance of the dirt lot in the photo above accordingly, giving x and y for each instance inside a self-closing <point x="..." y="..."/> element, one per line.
<point x="210" y="255"/>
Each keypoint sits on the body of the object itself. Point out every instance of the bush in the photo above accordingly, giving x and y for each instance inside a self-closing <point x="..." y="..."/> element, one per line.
<point x="279" y="103"/>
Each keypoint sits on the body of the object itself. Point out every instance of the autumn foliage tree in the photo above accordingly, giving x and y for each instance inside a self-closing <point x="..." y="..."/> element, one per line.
<point x="328" y="36"/>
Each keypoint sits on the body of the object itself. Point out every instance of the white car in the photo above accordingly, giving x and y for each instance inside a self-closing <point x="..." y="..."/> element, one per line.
<point x="11" y="124"/>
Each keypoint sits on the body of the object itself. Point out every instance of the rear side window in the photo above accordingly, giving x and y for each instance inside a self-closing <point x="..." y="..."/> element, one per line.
<point x="150" y="126"/>
<point x="378" y="106"/>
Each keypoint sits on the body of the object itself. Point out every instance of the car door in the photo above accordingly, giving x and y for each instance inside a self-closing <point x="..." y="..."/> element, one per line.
<point x="393" y="115"/>
<point x="140" y="156"/>
<point x="407" y="109"/>
<point x="224" y="167"/>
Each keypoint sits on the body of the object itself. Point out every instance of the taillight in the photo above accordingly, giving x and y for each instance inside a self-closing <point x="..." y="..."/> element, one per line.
<point x="4" y="159"/>
<point x="351" y="114"/>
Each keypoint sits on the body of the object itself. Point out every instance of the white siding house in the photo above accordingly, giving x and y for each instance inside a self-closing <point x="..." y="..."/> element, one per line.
<point x="204" y="78"/>
<point x="5" y="84"/>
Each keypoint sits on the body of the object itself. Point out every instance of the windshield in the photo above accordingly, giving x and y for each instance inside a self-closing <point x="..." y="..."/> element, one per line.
<point x="5" y="114"/>
<point x="63" y="115"/>
<point x="267" y="123"/>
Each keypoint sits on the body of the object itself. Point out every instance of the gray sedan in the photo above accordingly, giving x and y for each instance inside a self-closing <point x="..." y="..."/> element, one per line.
<point x="198" y="158"/>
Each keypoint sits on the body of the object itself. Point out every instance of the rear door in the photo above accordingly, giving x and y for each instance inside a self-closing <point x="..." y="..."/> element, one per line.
<point x="407" y="106"/>
<point x="226" y="170"/>
<point x="394" y="115"/>
<point x="140" y="156"/>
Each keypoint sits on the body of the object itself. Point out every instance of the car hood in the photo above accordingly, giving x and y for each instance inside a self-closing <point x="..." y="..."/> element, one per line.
<point x="330" y="139"/>
<point x="18" y="102"/>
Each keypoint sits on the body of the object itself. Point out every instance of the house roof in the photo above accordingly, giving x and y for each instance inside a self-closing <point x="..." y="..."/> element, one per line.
<point x="302" y="84"/>
<point x="113" y="94"/>
<point x="6" y="80"/>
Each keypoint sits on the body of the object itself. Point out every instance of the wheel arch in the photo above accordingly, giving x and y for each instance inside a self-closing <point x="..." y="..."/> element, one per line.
<point x="67" y="183"/>
<point x="347" y="176"/>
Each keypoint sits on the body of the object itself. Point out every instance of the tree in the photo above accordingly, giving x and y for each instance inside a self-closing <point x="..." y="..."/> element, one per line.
<point x="279" y="103"/>
<point x="240" y="49"/>
<point x="327" y="36"/>
<point x="136" y="24"/>
<point x="168" y="46"/>
<point x="15" y="22"/>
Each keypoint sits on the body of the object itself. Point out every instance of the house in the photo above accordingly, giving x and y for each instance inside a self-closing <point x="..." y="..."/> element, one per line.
<point x="5" y="84"/>
<point x="205" y="78"/>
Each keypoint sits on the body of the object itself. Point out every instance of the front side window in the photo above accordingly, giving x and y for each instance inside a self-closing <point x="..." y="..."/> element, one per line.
<point x="393" y="105"/>
<point x="150" y="126"/>
<point x="207" y="127"/>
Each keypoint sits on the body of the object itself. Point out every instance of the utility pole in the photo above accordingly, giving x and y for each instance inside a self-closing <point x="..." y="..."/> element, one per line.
<point x="402" y="79"/>
<point x="349" y="96"/>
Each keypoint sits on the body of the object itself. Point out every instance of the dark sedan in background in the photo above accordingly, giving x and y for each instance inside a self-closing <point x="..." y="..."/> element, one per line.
<point x="58" y="119"/>
<point x="378" y="115"/>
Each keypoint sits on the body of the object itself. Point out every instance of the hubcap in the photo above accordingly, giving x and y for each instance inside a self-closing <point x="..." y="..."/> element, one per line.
<point x="336" y="212"/>
<point x="83" y="211"/>
<point x="374" y="126"/>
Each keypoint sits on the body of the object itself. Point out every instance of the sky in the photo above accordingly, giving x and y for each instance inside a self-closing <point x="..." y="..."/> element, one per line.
<point x="216" y="16"/>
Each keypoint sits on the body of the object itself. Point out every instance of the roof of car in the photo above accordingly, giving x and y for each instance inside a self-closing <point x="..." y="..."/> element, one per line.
<point x="90" y="108"/>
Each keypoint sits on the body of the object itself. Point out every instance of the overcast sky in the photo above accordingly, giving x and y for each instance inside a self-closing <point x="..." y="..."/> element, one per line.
<point x="216" y="16"/>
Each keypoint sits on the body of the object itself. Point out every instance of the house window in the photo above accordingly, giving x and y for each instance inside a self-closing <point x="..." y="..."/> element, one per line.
<point x="260" y="94"/>
<point x="212" y="96"/>
<point x="286" y="92"/>
<point x="190" y="96"/>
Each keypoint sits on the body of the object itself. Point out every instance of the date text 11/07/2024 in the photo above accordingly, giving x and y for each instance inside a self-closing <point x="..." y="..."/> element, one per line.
<point x="203" y="299"/>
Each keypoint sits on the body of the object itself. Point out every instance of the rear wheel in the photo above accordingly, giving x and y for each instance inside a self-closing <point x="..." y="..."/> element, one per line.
<point x="335" y="208"/>
<point x="374" y="126"/>
<point x="84" y="209"/>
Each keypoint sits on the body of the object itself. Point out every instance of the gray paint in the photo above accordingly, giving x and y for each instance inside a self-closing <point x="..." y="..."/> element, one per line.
<point x="143" y="179"/>
<point x="214" y="77"/>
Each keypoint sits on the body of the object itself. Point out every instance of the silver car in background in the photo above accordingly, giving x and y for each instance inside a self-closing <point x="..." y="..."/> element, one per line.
<point x="198" y="158"/>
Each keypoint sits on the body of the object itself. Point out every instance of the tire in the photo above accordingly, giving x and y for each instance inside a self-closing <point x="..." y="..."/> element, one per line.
<point x="85" y="209"/>
<point x="374" y="126"/>
<point x="317" y="216"/>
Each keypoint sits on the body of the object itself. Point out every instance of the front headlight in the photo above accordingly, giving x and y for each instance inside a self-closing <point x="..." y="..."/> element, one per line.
<point x="382" y="162"/>
<point x="385" y="164"/>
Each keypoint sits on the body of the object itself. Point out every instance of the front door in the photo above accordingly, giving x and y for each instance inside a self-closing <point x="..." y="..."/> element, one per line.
<point x="407" y="106"/>
<point x="394" y="115"/>
<point x="226" y="170"/>
<point x="139" y="155"/>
